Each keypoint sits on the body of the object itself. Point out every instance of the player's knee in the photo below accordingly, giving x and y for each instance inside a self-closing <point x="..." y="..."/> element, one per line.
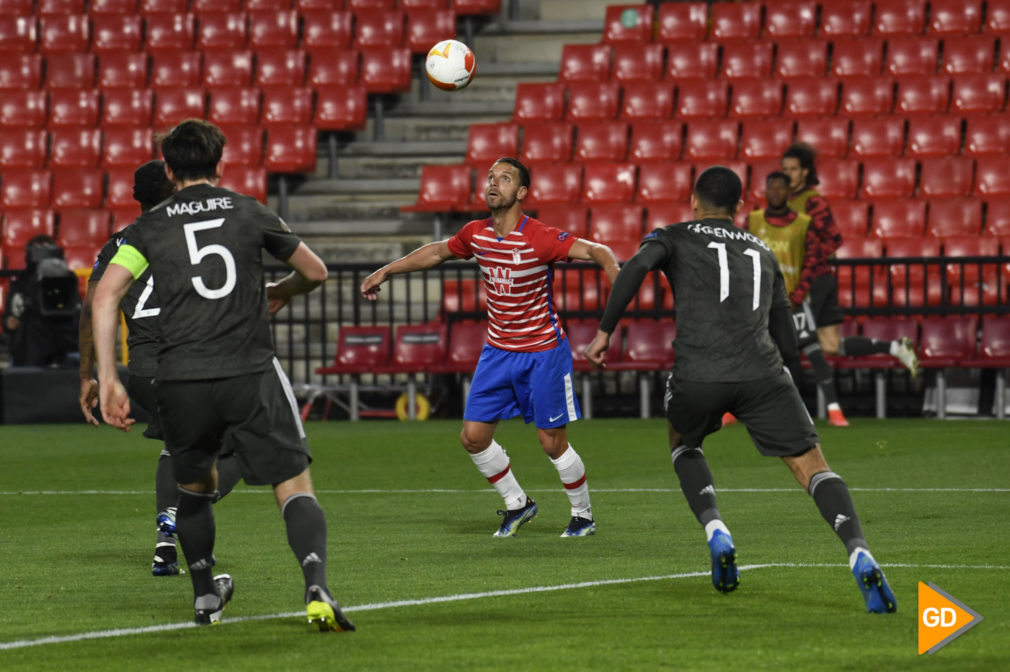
<point x="471" y="443"/>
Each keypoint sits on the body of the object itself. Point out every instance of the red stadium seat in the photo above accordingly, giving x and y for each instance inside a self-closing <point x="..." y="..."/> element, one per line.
<point x="23" y="148"/>
<point x="164" y="6"/>
<point x="172" y="105"/>
<point x="852" y="218"/>
<point x="581" y="332"/>
<point x="322" y="28"/>
<point x="112" y="7"/>
<point x="272" y="29"/>
<point x="883" y="136"/>
<point x="593" y="100"/>
<point x="245" y="146"/>
<point x="377" y="29"/>
<point x="127" y="107"/>
<point x="915" y="284"/>
<point x="954" y="216"/>
<point x="333" y="66"/>
<point x="386" y="70"/>
<point x="357" y="5"/>
<point x="426" y="27"/>
<point x="116" y="32"/>
<point x="647" y="346"/>
<point x="18" y="34"/>
<point x="571" y="218"/>
<point x="839" y="178"/>
<point x="968" y="54"/>
<point x="830" y="135"/>
<point x="898" y="218"/>
<point x="122" y="70"/>
<point x="888" y="178"/>
<point x="260" y="5"/>
<point x="58" y="7"/>
<point x="248" y="180"/>
<point x="735" y="21"/>
<point x="25" y="189"/>
<point x="547" y="141"/>
<point x="811" y="97"/>
<point x="615" y="222"/>
<point x="992" y="176"/>
<point x="846" y="19"/>
<point x="227" y="68"/>
<point x="554" y="183"/>
<point x="801" y="58"/>
<point x="1003" y="58"/>
<point x="468" y="296"/>
<point x="360" y="349"/>
<point x="997" y="17"/>
<point x="861" y="285"/>
<point x="341" y="108"/>
<point x="911" y="56"/>
<point x="123" y="216"/>
<point x="692" y="60"/>
<point x="682" y="22"/>
<point x="765" y="139"/>
<point x="73" y="107"/>
<point x="234" y="106"/>
<point x="471" y="7"/>
<point x="711" y="140"/>
<point x="644" y="99"/>
<point x="954" y="17"/>
<point x="754" y="194"/>
<point x="601" y="141"/>
<point x="417" y="348"/>
<point x="118" y="189"/>
<point x="70" y="71"/>
<point x="790" y="19"/>
<point x="946" y="341"/>
<point x="280" y="67"/>
<point x="986" y="136"/>
<point x="466" y="339"/>
<point x="170" y="68"/>
<point x="539" y="101"/>
<point x="221" y="30"/>
<point x="747" y="59"/>
<point x="127" y="147"/>
<point x="25" y="108"/>
<point x="635" y="62"/>
<point x="755" y="98"/>
<point x="899" y="17"/>
<point x="68" y="33"/>
<point x="628" y="23"/>
<point x="486" y="143"/>
<point x="997" y="218"/>
<point x="981" y="93"/>
<point x="994" y="353"/>
<point x="933" y="136"/>
<point x="20" y="71"/>
<point x="669" y="212"/>
<point x="857" y="57"/>
<point x="697" y="99"/>
<point x="923" y="94"/>
<point x="608" y="182"/>
<point x="75" y="147"/>
<point x="76" y="188"/>
<point x="443" y="188"/>
<point x="17" y="7"/>
<point x="422" y="4"/>
<point x="656" y="140"/>
<point x="286" y="105"/>
<point x="83" y="227"/>
<point x="863" y="96"/>
<point x="946" y="176"/>
<point x="20" y="226"/>
<point x="290" y="149"/>
<point x="664" y="182"/>
<point x="585" y="62"/>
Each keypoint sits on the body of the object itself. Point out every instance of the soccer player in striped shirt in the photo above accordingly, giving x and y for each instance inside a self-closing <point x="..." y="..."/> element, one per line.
<point x="525" y="367"/>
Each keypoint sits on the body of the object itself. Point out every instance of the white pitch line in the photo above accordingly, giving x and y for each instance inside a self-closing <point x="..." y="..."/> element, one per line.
<point x="457" y="491"/>
<point x="459" y="597"/>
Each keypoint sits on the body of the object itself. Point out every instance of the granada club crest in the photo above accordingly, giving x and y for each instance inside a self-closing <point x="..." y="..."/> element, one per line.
<point x="516" y="256"/>
<point x="501" y="279"/>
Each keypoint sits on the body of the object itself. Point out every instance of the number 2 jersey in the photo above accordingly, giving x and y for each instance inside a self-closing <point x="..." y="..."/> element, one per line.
<point x="725" y="282"/>
<point x="204" y="247"/>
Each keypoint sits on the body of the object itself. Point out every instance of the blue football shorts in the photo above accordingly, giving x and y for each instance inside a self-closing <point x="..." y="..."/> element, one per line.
<point x="537" y="385"/>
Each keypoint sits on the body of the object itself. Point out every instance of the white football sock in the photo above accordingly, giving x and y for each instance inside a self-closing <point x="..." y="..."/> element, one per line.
<point x="494" y="464"/>
<point x="573" y="477"/>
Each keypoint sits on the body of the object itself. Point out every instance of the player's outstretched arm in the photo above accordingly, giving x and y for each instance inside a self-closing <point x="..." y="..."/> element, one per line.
<point x="597" y="347"/>
<point x="599" y="253"/>
<point x="309" y="272"/>
<point x="423" y="257"/>
<point x="105" y="314"/>
<point x="88" y="398"/>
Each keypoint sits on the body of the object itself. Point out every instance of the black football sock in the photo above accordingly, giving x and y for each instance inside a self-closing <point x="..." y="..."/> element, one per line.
<point x="194" y="522"/>
<point x="696" y="483"/>
<point x="858" y="346"/>
<point x="166" y="490"/>
<point x="835" y="503"/>
<point x="306" y="524"/>
<point x="228" y="475"/>
<point x="823" y="374"/>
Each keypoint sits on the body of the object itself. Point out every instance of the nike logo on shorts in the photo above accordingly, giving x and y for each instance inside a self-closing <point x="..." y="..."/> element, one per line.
<point x="555" y="417"/>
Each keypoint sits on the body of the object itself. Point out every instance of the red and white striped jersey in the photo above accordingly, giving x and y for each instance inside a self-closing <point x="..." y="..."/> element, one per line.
<point x="518" y="272"/>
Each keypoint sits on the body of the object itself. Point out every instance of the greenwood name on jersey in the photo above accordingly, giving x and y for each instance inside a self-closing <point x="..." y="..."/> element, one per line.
<point x="204" y="246"/>
<point x="517" y="271"/>
<point x="140" y="308"/>
<point x="725" y="281"/>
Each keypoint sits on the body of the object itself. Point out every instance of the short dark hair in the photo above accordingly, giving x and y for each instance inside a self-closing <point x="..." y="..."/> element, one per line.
<point x="524" y="172"/>
<point x="719" y="188"/>
<point x="193" y="149"/>
<point x="805" y="154"/>
<point x="776" y="175"/>
<point x="151" y="185"/>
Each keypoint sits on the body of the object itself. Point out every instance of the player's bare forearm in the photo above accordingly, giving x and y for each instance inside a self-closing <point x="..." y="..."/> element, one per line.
<point x="426" y="256"/>
<point x="598" y="253"/>
<point x="597" y="347"/>
<point x="105" y="318"/>
<point x="308" y="272"/>
<point x="85" y="337"/>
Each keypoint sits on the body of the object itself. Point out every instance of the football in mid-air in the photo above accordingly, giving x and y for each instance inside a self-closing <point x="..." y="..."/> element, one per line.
<point x="450" y="65"/>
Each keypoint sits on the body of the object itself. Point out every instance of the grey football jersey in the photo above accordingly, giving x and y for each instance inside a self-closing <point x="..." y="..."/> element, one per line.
<point x="204" y="246"/>
<point x="725" y="281"/>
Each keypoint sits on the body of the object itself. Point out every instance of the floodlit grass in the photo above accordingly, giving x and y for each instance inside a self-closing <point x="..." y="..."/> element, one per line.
<point x="411" y="519"/>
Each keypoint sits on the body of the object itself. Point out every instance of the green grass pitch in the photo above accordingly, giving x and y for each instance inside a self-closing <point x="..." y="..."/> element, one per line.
<point x="412" y="558"/>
